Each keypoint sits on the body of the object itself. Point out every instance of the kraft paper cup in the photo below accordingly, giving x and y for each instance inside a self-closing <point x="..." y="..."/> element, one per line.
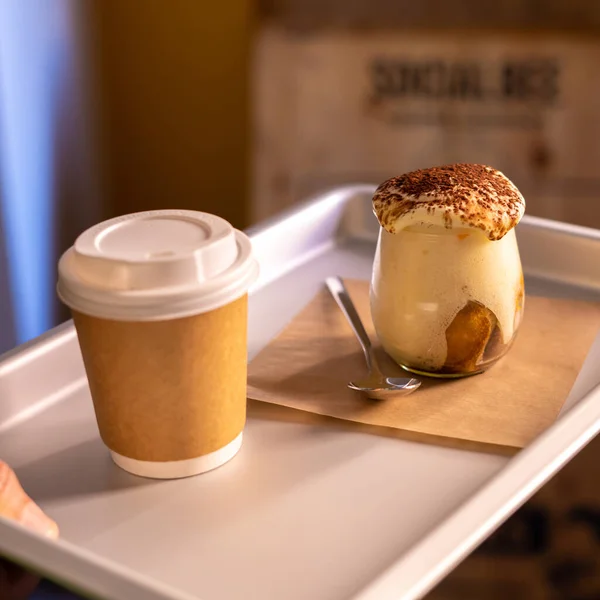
<point x="159" y="302"/>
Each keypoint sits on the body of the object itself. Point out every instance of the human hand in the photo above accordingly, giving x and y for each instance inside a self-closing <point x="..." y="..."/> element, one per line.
<point x="15" y="504"/>
<point x="15" y="582"/>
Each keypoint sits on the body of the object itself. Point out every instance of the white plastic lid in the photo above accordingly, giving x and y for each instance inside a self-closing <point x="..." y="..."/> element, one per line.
<point x="156" y="265"/>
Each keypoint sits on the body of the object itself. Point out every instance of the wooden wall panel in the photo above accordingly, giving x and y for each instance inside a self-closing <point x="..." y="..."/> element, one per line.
<point x="334" y="106"/>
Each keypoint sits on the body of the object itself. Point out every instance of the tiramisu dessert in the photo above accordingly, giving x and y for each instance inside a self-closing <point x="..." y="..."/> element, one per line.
<point x="447" y="290"/>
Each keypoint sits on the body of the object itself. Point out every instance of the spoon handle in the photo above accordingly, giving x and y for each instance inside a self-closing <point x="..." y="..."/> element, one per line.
<point x="340" y="294"/>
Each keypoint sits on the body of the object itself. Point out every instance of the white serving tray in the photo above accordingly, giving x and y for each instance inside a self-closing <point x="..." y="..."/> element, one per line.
<point x="304" y="511"/>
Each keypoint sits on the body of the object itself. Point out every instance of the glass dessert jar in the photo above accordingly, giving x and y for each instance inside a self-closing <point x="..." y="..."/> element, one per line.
<point x="447" y="291"/>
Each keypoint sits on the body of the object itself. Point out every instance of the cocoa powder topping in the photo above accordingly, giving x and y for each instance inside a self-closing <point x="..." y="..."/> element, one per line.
<point x="467" y="195"/>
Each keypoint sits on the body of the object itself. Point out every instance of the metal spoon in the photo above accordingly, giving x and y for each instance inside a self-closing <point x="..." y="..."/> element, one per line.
<point x="376" y="385"/>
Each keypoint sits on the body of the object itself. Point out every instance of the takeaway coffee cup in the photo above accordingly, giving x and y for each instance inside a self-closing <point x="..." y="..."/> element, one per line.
<point x="159" y="302"/>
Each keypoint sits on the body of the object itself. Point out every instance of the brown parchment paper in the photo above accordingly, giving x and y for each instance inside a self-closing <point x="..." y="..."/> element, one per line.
<point x="308" y="365"/>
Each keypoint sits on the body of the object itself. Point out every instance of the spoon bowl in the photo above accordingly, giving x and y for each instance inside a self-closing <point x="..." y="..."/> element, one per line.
<point x="383" y="387"/>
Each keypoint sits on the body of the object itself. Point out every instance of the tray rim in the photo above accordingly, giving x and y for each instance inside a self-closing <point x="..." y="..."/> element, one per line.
<point x="104" y="578"/>
<point x="86" y="572"/>
<point x="575" y="429"/>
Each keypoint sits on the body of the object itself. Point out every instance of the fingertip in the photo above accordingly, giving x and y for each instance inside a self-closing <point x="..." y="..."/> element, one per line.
<point x="52" y="531"/>
<point x="35" y="519"/>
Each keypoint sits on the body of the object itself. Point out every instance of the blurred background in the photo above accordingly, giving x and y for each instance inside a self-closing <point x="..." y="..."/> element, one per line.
<point x="244" y="108"/>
